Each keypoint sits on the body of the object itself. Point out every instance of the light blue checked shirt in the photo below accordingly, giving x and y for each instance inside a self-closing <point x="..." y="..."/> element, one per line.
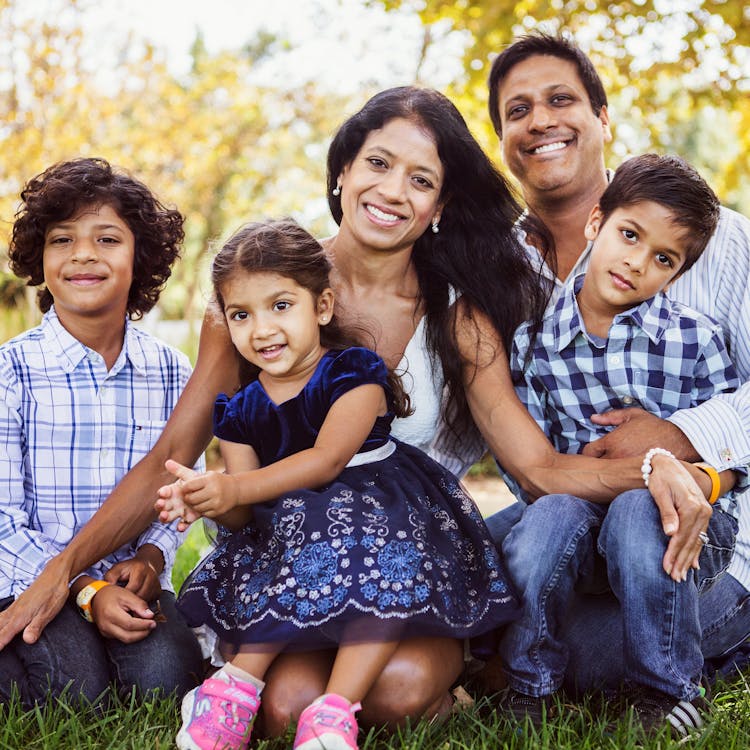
<point x="718" y="285"/>
<point x="69" y="431"/>
<point x="660" y="356"/>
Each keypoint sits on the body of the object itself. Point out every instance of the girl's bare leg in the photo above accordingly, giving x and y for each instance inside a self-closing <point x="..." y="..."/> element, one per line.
<point x="256" y="663"/>
<point x="293" y="682"/>
<point x="357" y="668"/>
<point x="414" y="683"/>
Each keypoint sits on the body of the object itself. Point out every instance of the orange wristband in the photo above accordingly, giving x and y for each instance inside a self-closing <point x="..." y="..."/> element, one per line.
<point x="713" y="475"/>
<point x="84" y="597"/>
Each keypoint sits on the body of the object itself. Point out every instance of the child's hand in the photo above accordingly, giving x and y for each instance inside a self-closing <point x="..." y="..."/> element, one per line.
<point x="171" y="504"/>
<point x="138" y="577"/>
<point x="119" y="613"/>
<point x="211" y="494"/>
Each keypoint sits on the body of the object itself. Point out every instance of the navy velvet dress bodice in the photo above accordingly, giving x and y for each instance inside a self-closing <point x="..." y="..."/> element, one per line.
<point x="391" y="548"/>
<point x="276" y="431"/>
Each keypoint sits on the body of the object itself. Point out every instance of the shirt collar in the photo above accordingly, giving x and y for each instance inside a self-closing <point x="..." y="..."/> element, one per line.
<point x="651" y="316"/>
<point x="70" y="352"/>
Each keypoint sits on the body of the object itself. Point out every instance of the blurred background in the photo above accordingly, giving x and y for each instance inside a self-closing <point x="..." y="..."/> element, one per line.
<point x="226" y="108"/>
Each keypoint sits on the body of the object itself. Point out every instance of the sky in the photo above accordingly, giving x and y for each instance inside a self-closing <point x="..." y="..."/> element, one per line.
<point x="338" y="43"/>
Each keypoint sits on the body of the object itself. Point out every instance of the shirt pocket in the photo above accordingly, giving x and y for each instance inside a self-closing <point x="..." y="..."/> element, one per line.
<point x="143" y="436"/>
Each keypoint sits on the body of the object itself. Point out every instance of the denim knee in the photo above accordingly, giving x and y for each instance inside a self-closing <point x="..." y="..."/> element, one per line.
<point x="632" y="534"/>
<point x="169" y="659"/>
<point x="549" y="531"/>
<point x="67" y="660"/>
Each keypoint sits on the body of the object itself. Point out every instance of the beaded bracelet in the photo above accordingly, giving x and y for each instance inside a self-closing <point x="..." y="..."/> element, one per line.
<point x="646" y="465"/>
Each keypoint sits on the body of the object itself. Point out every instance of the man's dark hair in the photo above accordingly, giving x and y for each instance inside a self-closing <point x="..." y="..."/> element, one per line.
<point x="62" y="191"/>
<point x="551" y="46"/>
<point x="672" y="183"/>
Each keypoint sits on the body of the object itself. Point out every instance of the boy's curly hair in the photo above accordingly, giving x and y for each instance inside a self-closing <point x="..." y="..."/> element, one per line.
<point x="63" y="190"/>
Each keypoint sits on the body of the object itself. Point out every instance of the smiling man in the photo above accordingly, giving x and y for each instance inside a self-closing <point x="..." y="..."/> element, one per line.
<point x="549" y="109"/>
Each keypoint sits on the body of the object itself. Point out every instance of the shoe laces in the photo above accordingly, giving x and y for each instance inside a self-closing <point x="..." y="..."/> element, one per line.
<point x="238" y="707"/>
<point x="333" y="717"/>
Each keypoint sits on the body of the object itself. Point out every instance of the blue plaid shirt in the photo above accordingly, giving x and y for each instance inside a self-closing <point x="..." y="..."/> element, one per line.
<point x="660" y="356"/>
<point x="69" y="431"/>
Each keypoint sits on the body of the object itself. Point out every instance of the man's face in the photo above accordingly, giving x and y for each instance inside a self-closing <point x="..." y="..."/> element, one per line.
<point x="551" y="139"/>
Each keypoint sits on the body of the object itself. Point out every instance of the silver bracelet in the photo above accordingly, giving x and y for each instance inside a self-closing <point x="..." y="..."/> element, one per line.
<point x="646" y="465"/>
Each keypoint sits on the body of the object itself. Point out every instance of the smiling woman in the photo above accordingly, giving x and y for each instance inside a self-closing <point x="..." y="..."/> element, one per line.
<point x="392" y="189"/>
<point x="399" y="281"/>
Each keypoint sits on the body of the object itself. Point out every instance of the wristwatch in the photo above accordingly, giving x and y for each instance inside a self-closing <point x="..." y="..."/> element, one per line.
<point x="85" y="596"/>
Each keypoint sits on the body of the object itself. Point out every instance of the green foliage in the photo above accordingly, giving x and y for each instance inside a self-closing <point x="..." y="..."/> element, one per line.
<point x="485" y="467"/>
<point x="195" y="545"/>
<point x="672" y="70"/>
<point x="128" y="725"/>
<point x="216" y="143"/>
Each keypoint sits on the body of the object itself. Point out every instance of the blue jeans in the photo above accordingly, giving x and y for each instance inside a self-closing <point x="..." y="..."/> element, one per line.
<point x="562" y="546"/>
<point x="72" y="656"/>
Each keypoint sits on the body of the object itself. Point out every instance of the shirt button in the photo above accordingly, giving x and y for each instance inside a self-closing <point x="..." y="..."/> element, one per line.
<point x="725" y="454"/>
<point x="105" y="452"/>
<point x="627" y="400"/>
<point x="615" y="359"/>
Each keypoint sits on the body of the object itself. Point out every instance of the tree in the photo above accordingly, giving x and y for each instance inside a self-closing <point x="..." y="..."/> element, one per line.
<point x="221" y="147"/>
<point x="663" y="65"/>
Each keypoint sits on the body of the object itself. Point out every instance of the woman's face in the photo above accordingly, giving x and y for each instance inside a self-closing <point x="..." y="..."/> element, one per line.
<point x="390" y="192"/>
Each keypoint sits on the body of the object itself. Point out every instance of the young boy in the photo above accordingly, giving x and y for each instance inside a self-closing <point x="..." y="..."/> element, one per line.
<point x="615" y="340"/>
<point x="83" y="397"/>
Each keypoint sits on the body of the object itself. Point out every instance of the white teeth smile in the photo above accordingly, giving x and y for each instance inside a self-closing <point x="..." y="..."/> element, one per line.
<point x="377" y="213"/>
<point x="550" y="147"/>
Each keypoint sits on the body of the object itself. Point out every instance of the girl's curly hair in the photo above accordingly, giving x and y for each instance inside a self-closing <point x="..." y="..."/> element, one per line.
<point x="63" y="190"/>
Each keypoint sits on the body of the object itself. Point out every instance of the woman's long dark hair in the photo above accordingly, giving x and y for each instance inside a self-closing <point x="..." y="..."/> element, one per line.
<point x="283" y="247"/>
<point x="476" y="252"/>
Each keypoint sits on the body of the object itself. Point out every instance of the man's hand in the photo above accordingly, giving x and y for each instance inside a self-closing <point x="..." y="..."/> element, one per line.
<point x="139" y="576"/>
<point x="685" y="513"/>
<point x="36" y="607"/>
<point x="119" y="613"/>
<point x="635" y="432"/>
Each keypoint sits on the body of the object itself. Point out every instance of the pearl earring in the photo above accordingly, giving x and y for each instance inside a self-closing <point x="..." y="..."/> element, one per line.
<point x="336" y="191"/>
<point x="435" y="227"/>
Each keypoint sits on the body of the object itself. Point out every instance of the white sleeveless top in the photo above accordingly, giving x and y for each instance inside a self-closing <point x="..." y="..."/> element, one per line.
<point x="424" y="384"/>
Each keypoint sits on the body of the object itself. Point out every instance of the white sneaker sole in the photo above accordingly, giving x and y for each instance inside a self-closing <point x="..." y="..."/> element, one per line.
<point x="183" y="740"/>
<point x="325" y="742"/>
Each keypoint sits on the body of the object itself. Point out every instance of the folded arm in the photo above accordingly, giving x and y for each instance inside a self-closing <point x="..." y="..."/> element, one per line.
<point x="521" y="447"/>
<point x="348" y="423"/>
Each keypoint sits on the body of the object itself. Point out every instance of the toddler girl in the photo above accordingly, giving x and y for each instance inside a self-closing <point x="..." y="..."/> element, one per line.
<point x="331" y="532"/>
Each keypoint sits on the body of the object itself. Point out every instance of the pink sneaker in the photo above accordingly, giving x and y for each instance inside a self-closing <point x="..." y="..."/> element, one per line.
<point x="328" y="723"/>
<point x="218" y="715"/>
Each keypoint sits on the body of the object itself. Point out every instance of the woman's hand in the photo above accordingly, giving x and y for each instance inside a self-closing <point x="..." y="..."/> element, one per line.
<point x="685" y="514"/>
<point x="31" y="612"/>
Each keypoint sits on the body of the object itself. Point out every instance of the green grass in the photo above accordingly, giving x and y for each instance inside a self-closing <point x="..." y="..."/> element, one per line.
<point x="128" y="725"/>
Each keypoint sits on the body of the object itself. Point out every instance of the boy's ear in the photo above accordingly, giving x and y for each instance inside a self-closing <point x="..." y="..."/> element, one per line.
<point x="593" y="224"/>
<point x="325" y="307"/>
